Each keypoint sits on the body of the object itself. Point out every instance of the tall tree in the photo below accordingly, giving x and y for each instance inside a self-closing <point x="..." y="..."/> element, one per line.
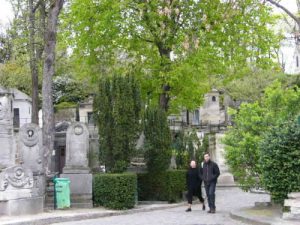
<point x="117" y="107"/>
<point x="180" y="48"/>
<point x="48" y="73"/>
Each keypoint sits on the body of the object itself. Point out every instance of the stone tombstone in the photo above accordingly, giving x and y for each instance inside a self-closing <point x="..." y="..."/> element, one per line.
<point x="7" y="150"/>
<point x="76" y="167"/>
<point x="16" y="192"/>
<point x="31" y="147"/>
<point x="77" y="149"/>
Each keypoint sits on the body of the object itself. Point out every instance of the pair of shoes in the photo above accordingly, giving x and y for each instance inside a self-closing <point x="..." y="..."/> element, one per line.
<point x="203" y="207"/>
<point x="188" y="210"/>
<point x="209" y="211"/>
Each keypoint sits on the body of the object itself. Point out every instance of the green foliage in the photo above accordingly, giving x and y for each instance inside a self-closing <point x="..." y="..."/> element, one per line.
<point x="67" y="89"/>
<point x="65" y="105"/>
<point x="165" y="186"/>
<point x="157" y="140"/>
<point x="188" y="147"/>
<point x="117" y="108"/>
<point x="280" y="160"/>
<point x="16" y="74"/>
<point x="211" y="40"/>
<point x="251" y="121"/>
<point x="115" y="191"/>
<point x="250" y="88"/>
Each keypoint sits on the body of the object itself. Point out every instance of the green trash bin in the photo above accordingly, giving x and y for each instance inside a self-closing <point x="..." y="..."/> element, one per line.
<point x="62" y="193"/>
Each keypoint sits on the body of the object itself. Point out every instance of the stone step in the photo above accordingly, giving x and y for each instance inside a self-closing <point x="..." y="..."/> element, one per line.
<point x="292" y="203"/>
<point x="86" y="205"/>
<point x="294" y="195"/>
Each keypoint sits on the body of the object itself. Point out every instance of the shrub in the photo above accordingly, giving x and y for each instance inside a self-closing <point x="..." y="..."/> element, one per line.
<point x="117" y="109"/>
<point x="280" y="160"/>
<point x="115" y="191"/>
<point x="165" y="186"/>
<point x="157" y="140"/>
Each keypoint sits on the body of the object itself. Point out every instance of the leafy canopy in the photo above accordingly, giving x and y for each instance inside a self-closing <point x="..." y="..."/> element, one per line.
<point x="251" y="122"/>
<point x="188" y="45"/>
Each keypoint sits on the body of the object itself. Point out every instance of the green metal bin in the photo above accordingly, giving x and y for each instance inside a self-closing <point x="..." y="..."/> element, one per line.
<point x="62" y="193"/>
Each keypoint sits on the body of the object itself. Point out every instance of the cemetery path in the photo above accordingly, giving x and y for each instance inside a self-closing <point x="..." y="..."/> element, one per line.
<point x="227" y="200"/>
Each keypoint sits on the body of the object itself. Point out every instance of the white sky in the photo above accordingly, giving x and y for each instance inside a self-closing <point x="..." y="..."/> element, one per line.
<point x="6" y="10"/>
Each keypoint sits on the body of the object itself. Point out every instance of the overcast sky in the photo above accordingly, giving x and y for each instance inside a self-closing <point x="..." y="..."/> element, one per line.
<point x="6" y="11"/>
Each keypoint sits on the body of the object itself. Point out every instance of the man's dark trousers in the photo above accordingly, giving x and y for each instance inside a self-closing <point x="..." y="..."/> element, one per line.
<point x="210" y="189"/>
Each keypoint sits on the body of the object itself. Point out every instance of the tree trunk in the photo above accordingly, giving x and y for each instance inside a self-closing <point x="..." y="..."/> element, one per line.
<point x="33" y="64"/>
<point x="165" y="54"/>
<point x="48" y="72"/>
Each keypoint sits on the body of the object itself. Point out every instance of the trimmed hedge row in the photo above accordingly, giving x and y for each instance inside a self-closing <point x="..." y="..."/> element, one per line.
<point x="115" y="191"/>
<point x="165" y="186"/>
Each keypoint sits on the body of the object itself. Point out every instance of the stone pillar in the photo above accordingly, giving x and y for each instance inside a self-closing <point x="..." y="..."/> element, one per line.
<point x="76" y="167"/>
<point x="7" y="149"/>
<point x="226" y="178"/>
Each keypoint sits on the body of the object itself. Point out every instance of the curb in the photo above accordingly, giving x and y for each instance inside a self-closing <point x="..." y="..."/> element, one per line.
<point x="237" y="215"/>
<point x="94" y="215"/>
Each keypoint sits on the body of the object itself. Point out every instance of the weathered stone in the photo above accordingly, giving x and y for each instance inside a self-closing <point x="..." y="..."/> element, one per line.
<point x="7" y="150"/>
<point x="77" y="169"/>
<point x="294" y="195"/>
<point x="18" y="207"/>
<point x="290" y="216"/>
<point x="77" y="148"/>
<point x="292" y="202"/>
<point x="15" y="178"/>
<point x="226" y="178"/>
<point x="31" y="147"/>
<point x="80" y="183"/>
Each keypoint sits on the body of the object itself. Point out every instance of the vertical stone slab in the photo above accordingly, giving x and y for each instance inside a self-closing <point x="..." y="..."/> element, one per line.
<point x="31" y="147"/>
<point x="77" y="168"/>
<point x="7" y="150"/>
<point x="31" y="154"/>
<point x="226" y="178"/>
<point x="77" y="149"/>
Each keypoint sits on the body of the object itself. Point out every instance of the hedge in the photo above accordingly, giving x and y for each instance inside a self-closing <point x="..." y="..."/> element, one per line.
<point x="280" y="160"/>
<point x="115" y="191"/>
<point x="164" y="186"/>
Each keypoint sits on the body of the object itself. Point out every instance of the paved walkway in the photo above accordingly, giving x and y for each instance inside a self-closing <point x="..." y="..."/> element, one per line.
<point x="227" y="201"/>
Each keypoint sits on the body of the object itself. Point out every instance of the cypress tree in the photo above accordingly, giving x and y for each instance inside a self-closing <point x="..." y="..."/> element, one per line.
<point x="157" y="140"/>
<point x="117" y="108"/>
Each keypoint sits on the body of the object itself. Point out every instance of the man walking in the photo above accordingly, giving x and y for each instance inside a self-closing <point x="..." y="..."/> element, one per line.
<point x="209" y="173"/>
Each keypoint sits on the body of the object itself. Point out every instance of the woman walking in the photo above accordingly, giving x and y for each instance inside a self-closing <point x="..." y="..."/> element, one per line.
<point x="194" y="185"/>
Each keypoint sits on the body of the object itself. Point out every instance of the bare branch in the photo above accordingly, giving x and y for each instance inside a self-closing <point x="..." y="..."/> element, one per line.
<point x="293" y="16"/>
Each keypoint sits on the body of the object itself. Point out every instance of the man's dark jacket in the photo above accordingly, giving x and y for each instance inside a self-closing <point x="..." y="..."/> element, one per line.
<point x="209" y="172"/>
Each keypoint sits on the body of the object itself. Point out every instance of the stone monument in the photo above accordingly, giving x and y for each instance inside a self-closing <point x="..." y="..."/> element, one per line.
<point x="17" y="192"/>
<point x="226" y="178"/>
<point x="31" y="154"/>
<point x="7" y="150"/>
<point x="76" y="167"/>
